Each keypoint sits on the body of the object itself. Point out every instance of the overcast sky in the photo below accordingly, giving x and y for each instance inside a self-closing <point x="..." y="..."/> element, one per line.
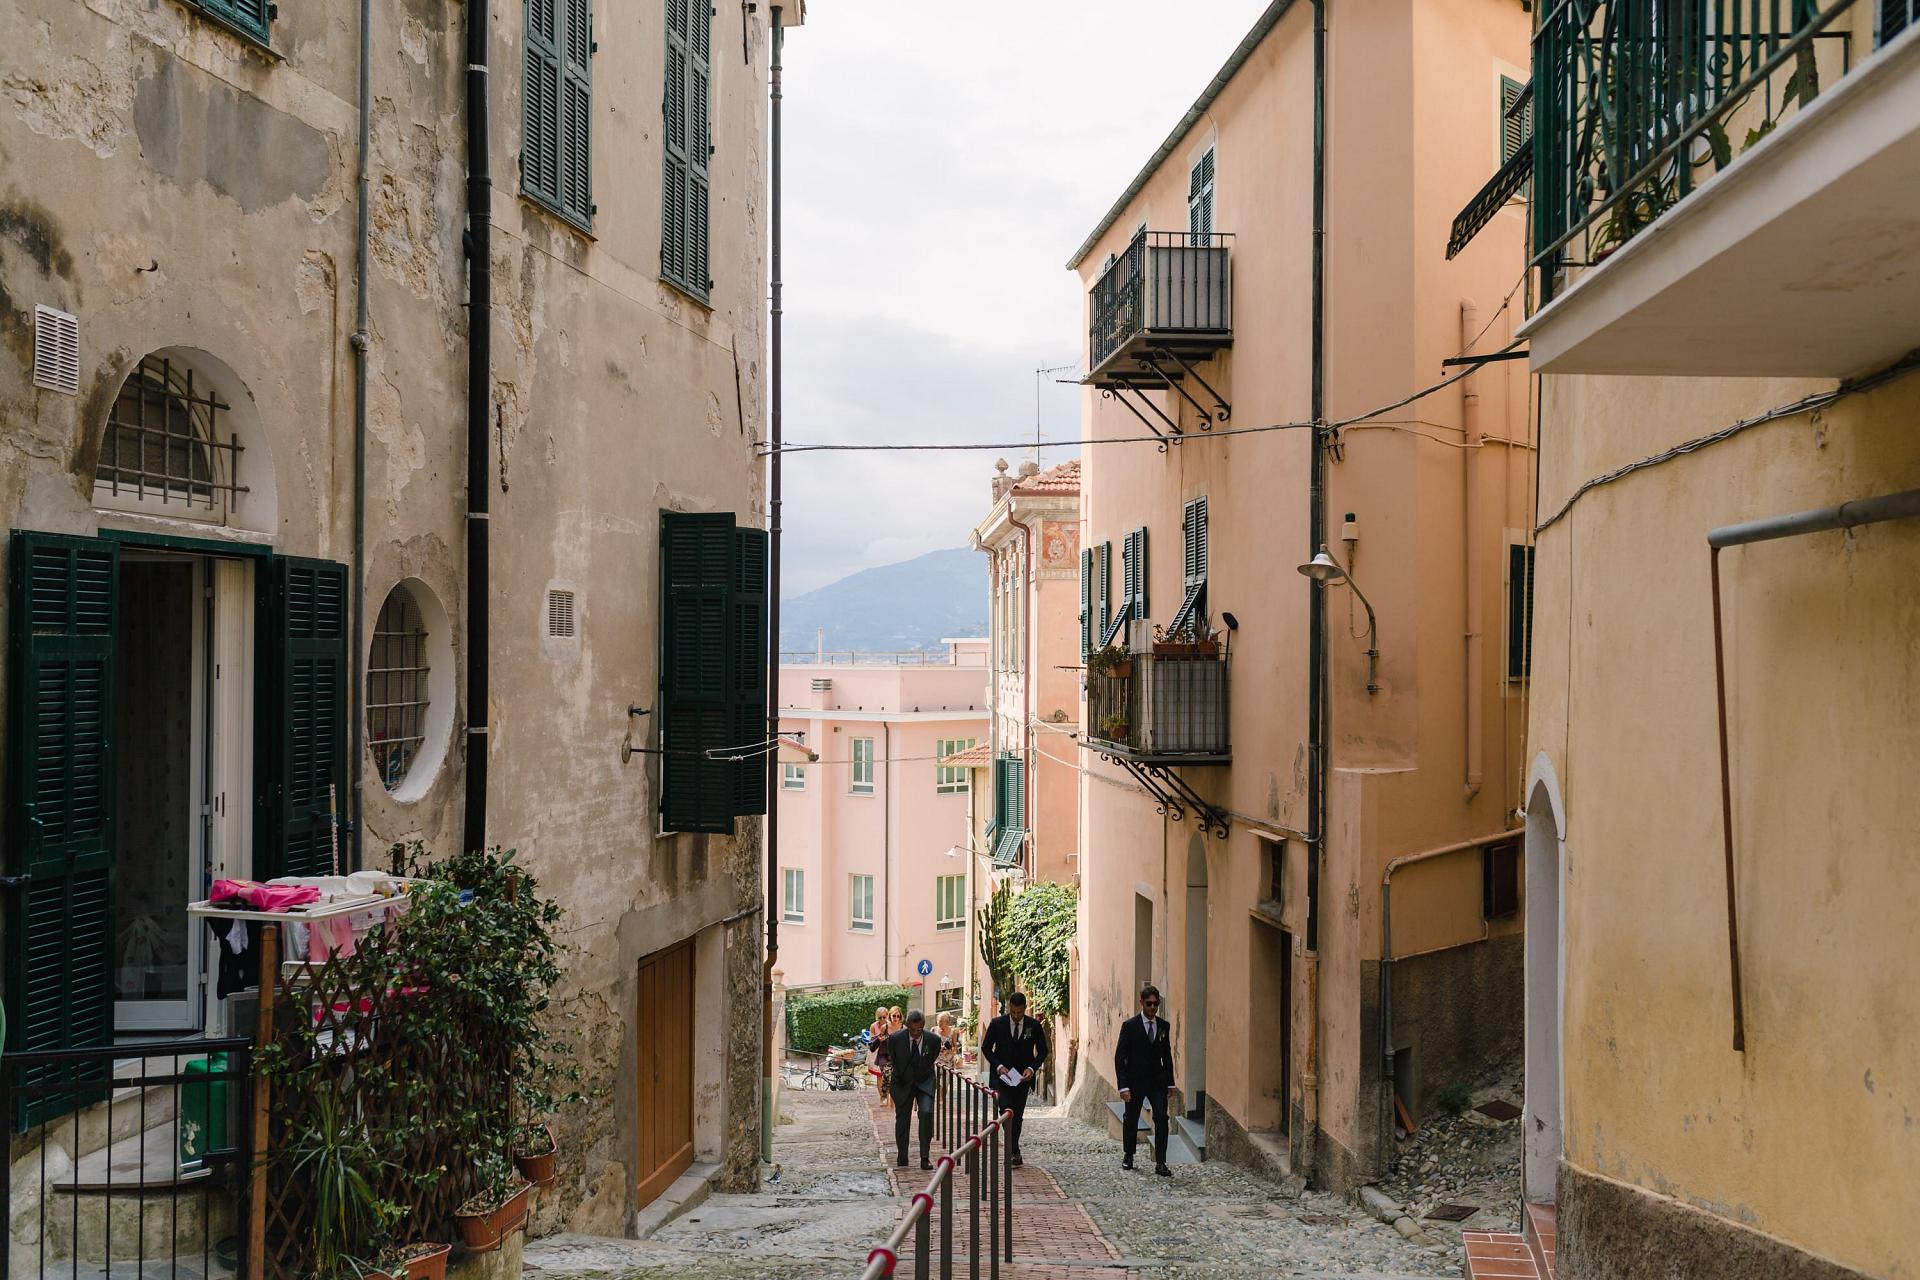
<point x="942" y="163"/>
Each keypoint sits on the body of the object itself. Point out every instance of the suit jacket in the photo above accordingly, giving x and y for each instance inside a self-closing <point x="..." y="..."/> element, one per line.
<point x="1001" y="1050"/>
<point x="910" y="1074"/>
<point x="1140" y="1065"/>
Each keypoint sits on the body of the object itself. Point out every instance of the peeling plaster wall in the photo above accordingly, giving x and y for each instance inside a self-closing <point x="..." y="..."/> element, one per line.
<point x="174" y="186"/>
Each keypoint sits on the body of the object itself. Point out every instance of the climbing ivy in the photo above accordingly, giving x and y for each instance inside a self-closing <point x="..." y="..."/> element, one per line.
<point x="1034" y="932"/>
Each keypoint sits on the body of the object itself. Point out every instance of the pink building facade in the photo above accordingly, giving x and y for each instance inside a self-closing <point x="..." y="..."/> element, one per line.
<point x="873" y="863"/>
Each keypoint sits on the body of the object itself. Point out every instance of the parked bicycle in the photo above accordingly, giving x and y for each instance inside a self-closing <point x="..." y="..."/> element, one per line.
<point x="836" y="1069"/>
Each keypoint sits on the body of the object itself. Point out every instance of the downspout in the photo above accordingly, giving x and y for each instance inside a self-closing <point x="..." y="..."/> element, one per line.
<point x="772" y="826"/>
<point x="479" y="402"/>
<point x="1028" y="755"/>
<point x="357" y="698"/>
<point x="1473" y="687"/>
<point x="886" y="852"/>
<point x="1317" y="690"/>
<point x="1848" y="515"/>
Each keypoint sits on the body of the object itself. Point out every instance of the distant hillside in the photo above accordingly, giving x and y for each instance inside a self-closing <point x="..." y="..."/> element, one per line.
<point x="910" y="605"/>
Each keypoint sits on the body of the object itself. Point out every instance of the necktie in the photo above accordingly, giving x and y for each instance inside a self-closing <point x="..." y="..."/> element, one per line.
<point x="916" y="1048"/>
<point x="1149" y="1030"/>
<point x="1017" y="1028"/>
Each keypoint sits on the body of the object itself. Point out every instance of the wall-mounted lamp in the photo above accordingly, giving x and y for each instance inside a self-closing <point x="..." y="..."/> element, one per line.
<point x="1324" y="568"/>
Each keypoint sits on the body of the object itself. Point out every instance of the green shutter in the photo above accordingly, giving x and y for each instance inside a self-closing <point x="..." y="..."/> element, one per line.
<point x="576" y="113"/>
<point x="1086" y="603"/>
<point x="301" y="731"/>
<point x="556" y="149"/>
<point x="63" y="607"/>
<point x="250" y="17"/>
<point x="749" y="662"/>
<point x="1193" y="601"/>
<point x="685" y="183"/>
<point x="540" y="104"/>
<point x="697" y="707"/>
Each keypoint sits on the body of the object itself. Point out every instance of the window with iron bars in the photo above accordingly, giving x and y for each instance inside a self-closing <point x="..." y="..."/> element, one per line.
<point x="397" y="687"/>
<point x="162" y="445"/>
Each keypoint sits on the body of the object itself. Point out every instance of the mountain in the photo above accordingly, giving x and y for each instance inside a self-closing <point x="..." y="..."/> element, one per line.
<point x="910" y="605"/>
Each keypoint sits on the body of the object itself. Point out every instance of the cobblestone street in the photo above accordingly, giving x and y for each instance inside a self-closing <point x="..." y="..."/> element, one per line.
<point x="1078" y="1216"/>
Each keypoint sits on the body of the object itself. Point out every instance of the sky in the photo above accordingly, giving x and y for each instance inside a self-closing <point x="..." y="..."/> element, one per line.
<point x="942" y="163"/>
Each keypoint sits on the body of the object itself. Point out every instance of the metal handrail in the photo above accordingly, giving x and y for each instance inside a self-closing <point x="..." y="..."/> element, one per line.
<point x="963" y="1106"/>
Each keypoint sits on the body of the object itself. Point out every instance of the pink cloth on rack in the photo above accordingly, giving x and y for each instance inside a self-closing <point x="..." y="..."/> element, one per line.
<point x="262" y="897"/>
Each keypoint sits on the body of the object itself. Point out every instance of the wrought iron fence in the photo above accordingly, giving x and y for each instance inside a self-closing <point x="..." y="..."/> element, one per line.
<point x="1166" y="283"/>
<point x="1636" y="102"/>
<point x="968" y="1124"/>
<point x="1165" y="706"/>
<point x="127" y="1155"/>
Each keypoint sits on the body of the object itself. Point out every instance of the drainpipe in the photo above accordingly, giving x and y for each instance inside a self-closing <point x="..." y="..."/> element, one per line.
<point x="1027" y="753"/>
<point x="357" y="698"/>
<point x="1474" y="684"/>
<point x="886" y="852"/>
<point x="1848" y="515"/>
<point x="774" y="311"/>
<point x="1317" y="691"/>
<point x="479" y="404"/>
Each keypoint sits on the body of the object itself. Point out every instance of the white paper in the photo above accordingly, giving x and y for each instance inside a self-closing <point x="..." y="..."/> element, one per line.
<point x="1010" y="1078"/>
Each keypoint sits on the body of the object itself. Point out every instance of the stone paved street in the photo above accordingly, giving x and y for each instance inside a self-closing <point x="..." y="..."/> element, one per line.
<point x="1078" y="1216"/>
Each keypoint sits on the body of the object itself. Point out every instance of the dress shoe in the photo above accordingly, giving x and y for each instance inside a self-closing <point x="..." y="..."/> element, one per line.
<point x="901" y="1163"/>
<point x="926" y="1164"/>
<point x="1163" y="1171"/>
<point x="1126" y="1162"/>
<point x="1016" y="1161"/>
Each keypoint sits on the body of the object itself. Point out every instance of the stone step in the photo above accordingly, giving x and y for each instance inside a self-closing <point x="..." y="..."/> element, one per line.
<point x="1179" y="1149"/>
<point x="1195" y="1132"/>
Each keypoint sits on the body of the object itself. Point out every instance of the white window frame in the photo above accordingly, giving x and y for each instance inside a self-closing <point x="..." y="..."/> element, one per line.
<point x="951" y="779"/>
<point x="793" y="777"/>
<point x="941" y="920"/>
<point x="855" y="921"/>
<point x="792" y="878"/>
<point x="861" y="766"/>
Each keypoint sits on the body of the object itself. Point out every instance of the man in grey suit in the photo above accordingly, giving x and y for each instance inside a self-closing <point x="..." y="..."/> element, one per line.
<point x="912" y="1052"/>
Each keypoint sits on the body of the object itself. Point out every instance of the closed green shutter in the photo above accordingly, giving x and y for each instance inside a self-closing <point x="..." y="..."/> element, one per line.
<point x="1193" y="537"/>
<point x="686" y="183"/>
<point x="250" y="17"/>
<point x="749" y="662"/>
<point x="1086" y="603"/>
<point x="1200" y="201"/>
<point x="63" y="604"/>
<point x="556" y="149"/>
<point x="697" y="706"/>
<point x="576" y="114"/>
<point x="540" y="104"/>
<point x="301" y="731"/>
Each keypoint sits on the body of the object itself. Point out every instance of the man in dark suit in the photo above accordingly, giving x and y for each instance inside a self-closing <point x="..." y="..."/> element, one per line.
<point x="1143" y="1068"/>
<point x="1014" y="1042"/>
<point x="912" y="1052"/>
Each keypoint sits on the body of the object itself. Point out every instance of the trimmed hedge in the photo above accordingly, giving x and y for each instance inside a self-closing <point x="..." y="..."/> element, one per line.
<point x="817" y="1023"/>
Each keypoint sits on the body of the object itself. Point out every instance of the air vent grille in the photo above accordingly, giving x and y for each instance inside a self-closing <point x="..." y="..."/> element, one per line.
<point x="56" y="350"/>
<point x="560" y="614"/>
<point x="822" y="685"/>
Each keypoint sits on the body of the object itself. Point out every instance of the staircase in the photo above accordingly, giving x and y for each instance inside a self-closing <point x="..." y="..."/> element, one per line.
<point x="1186" y="1139"/>
<point x="1505" y="1255"/>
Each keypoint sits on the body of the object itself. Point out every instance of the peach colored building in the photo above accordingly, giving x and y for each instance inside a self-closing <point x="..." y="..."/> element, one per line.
<point x="1298" y="802"/>
<point x="873" y="871"/>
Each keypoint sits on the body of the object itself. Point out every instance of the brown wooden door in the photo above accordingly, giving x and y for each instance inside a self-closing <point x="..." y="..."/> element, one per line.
<point x="664" y="1027"/>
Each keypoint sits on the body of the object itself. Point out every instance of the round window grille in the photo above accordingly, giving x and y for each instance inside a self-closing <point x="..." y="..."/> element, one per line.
<point x="397" y="688"/>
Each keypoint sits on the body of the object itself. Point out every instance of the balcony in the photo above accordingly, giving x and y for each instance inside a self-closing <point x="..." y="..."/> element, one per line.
<point x="1725" y="187"/>
<point x="1161" y="709"/>
<point x="1159" y="309"/>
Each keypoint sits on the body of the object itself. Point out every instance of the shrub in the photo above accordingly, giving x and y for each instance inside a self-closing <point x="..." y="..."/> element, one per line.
<point x="1036" y="933"/>
<point x="1454" y="1098"/>
<point x="816" y="1023"/>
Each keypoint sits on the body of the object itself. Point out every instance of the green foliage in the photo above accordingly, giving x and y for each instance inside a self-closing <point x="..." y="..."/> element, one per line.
<point x="335" y="1159"/>
<point x="816" y="1023"/>
<point x="1106" y="661"/>
<point x="988" y="924"/>
<point x="1454" y="1098"/>
<point x="1036" y="933"/>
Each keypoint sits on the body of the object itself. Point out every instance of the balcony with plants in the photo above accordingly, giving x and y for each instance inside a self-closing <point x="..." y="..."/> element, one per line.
<point x="1164" y="706"/>
<point x="1725" y="187"/>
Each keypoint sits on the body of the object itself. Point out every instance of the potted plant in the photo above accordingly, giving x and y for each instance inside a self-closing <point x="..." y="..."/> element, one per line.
<point x="535" y="1153"/>
<point x="1110" y="660"/>
<point x="332" y="1156"/>
<point x="1201" y="642"/>
<point x="498" y="1209"/>
<point x="424" y="1261"/>
<point x="1113" y="727"/>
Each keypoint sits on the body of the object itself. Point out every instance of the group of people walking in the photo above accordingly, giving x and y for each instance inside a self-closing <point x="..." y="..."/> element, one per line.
<point x="907" y="1055"/>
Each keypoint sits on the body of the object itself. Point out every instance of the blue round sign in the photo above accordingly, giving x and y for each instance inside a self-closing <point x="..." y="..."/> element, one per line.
<point x="925" y="967"/>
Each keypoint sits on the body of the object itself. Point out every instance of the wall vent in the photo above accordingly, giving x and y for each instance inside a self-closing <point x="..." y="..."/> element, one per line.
<point x="822" y="685"/>
<point x="560" y="614"/>
<point x="56" y="350"/>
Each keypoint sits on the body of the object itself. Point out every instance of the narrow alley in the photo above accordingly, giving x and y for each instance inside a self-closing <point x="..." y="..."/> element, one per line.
<point x="1077" y="1216"/>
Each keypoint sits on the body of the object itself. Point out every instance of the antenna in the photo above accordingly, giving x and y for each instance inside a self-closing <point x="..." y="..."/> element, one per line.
<point x="1039" y="385"/>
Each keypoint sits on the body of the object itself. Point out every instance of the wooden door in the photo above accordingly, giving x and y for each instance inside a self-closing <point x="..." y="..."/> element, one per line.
<point x="664" y="1028"/>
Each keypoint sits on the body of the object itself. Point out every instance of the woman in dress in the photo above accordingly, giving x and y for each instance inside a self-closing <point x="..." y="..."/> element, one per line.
<point x="877" y="1048"/>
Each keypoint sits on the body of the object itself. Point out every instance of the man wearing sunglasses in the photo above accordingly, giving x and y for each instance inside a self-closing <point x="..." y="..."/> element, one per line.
<point x="1143" y="1068"/>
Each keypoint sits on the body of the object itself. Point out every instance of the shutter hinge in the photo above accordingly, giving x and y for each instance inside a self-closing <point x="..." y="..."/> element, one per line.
<point x="273" y="11"/>
<point x="20" y="881"/>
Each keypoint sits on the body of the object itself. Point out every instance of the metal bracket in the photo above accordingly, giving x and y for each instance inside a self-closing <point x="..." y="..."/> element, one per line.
<point x="1172" y="794"/>
<point x="1112" y="393"/>
<point x="1224" y="409"/>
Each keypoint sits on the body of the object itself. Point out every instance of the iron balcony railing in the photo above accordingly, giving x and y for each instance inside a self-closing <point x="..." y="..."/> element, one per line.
<point x="1167" y="707"/>
<point x="1637" y="102"/>
<point x="968" y="1123"/>
<point x="1171" y="291"/>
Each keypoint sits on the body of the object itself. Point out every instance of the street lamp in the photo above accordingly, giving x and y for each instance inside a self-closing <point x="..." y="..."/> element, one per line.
<point x="1324" y="568"/>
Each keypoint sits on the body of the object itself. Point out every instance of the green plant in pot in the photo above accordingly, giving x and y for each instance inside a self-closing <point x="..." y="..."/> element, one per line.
<point x="1110" y="661"/>
<point x="1113" y="727"/>
<point x="333" y="1158"/>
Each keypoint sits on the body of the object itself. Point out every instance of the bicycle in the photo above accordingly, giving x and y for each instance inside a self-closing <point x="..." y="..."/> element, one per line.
<point x="836" y="1069"/>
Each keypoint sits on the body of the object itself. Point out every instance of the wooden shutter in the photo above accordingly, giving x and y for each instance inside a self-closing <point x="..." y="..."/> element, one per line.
<point x="685" y="187"/>
<point x="63" y="607"/>
<point x="576" y="111"/>
<point x="1896" y="16"/>
<point x="1086" y="603"/>
<point x="1137" y="592"/>
<point x="1519" y="611"/>
<point x="300" y="735"/>
<point x="1193" y="556"/>
<point x="699" y="559"/>
<point x="699" y="146"/>
<point x="1103" y="581"/>
<point x="1200" y="201"/>
<point x="1515" y="126"/>
<point x="540" y="106"/>
<point x="749" y="662"/>
<point x="251" y="17"/>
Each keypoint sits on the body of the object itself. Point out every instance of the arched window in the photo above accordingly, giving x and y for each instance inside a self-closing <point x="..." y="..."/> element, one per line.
<point x="409" y="689"/>
<point x="168" y="445"/>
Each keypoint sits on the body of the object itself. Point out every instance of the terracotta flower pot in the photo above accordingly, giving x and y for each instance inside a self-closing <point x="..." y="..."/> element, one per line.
<point x="482" y="1230"/>
<point x="430" y="1265"/>
<point x="538" y="1167"/>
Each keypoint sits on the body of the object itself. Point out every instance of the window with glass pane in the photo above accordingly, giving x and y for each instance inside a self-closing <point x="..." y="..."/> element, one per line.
<point x="952" y="779"/>
<point x="793" y="777"/>
<point x="950" y="892"/>
<point x="793" y="895"/>
<point x="862" y="903"/>
<point x="862" y="766"/>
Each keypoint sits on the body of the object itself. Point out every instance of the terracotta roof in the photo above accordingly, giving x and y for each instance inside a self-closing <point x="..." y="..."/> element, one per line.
<point x="1064" y="478"/>
<point x="978" y="757"/>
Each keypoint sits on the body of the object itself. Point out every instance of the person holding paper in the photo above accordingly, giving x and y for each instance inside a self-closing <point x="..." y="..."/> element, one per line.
<point x="1143" y="1068"/>
<point x="1015" y="1047"/>
<point x="912" y="1053"/>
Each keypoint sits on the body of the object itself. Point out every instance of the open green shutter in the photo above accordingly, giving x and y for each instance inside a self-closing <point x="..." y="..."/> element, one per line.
<point x="749" y="661"/>
<point x="1086" y="603"/>
<point x="60" y="806"/>
<point x="697" y="703"/>
<point x="301" y="770"/>
<point x="540" y="105"/>
<point x="576" y="112"/>
<point x="699" y="146"/>
<point x="1193" y="601"/>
